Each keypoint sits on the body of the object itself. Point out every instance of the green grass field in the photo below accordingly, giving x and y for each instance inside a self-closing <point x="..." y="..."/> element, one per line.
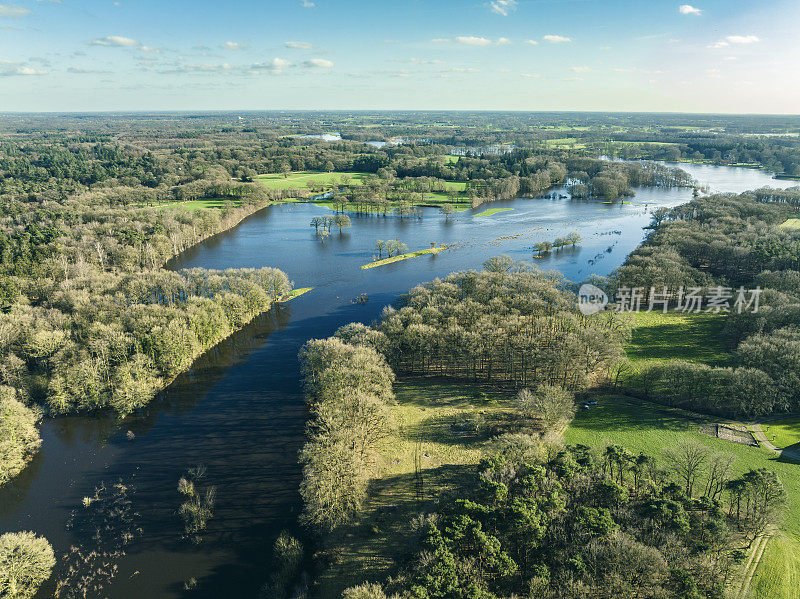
<point x="566" y="143"/>
<point x="644" y="427"/>
<point x="406" y="256"/>
<point x="778" y="573"/>
<point x="207" y="204"/>
<point x="678" y="336"/>
<point x="791" y="223"/>
<point x="300" y="179"/>
<point x="491" y="211"/>
<point x="786" y="432"/>
<point x="440" y="422"/>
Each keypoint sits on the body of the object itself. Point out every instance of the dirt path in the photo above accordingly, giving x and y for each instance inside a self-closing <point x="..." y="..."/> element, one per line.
<point x="750" y="567"/>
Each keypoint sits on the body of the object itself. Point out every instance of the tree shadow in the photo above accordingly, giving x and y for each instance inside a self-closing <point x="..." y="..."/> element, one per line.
<point x="619" y="413"/>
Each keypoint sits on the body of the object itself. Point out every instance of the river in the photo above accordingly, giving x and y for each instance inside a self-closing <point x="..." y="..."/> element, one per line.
<point x="239" y="411"/>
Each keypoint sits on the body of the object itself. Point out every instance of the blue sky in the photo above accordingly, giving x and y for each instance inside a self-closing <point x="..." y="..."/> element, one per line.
<point x="656" y="55"/>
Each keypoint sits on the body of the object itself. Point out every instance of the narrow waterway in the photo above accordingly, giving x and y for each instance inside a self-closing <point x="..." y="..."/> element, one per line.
<point x="239" y="411"/>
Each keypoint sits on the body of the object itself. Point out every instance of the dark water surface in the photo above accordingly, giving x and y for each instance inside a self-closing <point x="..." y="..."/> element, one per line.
<point x="240" y="412"/>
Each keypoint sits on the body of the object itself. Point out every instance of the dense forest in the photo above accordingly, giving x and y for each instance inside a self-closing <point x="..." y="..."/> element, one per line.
<point x="729" y="242"/>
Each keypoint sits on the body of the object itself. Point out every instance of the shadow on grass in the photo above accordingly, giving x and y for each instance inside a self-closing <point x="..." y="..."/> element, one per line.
<point x="442" y="392"/>
<point x="695" y="338"/>
<point x="372" y="549"/>
<point x="466" y="429"/>
<point x="621" y="413"/>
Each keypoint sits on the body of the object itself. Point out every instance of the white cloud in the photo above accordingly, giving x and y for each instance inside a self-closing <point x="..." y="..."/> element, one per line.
<point x="581" y="69"/>
<point x="307" y="4"/>
<point x="743" y="39"/>
<point x="150" y="50"/>
<point x="735" y="39"/>
<point x="688" y="9"/>
<point x="503" y="7"/>
<point x="83" y="71"/>
<point x="471" y="40"/>
<point x="319" y="63"/>
<point x="13" y="12"/>
<point x="425" y="61"/>
<point x="30" y="71"/>
<point x="299" y="45"/>
<point x="115" y="41"/>
<point x="203" y="68"/>
<point x="440" y="40"/>
<point x="532" y="42"/>
<point x="274" y="66"/>
<point x="232" y="46"/>
<point x="10" y="69"/>
<point x="556" y="39"/>
<point x="530" y="75"/>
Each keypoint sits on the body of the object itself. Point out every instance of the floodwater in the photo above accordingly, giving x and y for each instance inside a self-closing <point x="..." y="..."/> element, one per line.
<point x="239" y="411"/>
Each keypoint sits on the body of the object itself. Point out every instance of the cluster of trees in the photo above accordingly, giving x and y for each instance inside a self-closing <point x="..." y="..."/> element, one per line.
<point x="573" y="238"/>
<point x="733" y="242"/>
<point x="509" y="323"/>
<point x="612" y="180"/>
<point x="19" y="437"/>
<point x="348" y="389"/>
<point x="779" y="154"/>
<point x="89" y="320"/>
<point x="392" y="247"/>
<point x="94" y="340"/>
<point x="323" y="224"/>
<point x="576" y="523"/>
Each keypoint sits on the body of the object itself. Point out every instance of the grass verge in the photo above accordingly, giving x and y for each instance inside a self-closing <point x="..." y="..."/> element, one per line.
<point x="207" y="204"/>
<point x="641" y="426"/>
<point x="791" y="223"/>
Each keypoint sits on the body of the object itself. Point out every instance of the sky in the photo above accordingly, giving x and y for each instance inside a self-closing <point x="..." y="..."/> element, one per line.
<point x="720" y="56"/>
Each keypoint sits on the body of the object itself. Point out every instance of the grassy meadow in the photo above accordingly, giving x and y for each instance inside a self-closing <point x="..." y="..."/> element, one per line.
<point x="786" y="432"/>
<point x="300" y="179"/>
<point x="791" y="223"/>
<point x="206" y="204"/>
<point x="444" y="425"/>
<point x="678" y="336"/>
